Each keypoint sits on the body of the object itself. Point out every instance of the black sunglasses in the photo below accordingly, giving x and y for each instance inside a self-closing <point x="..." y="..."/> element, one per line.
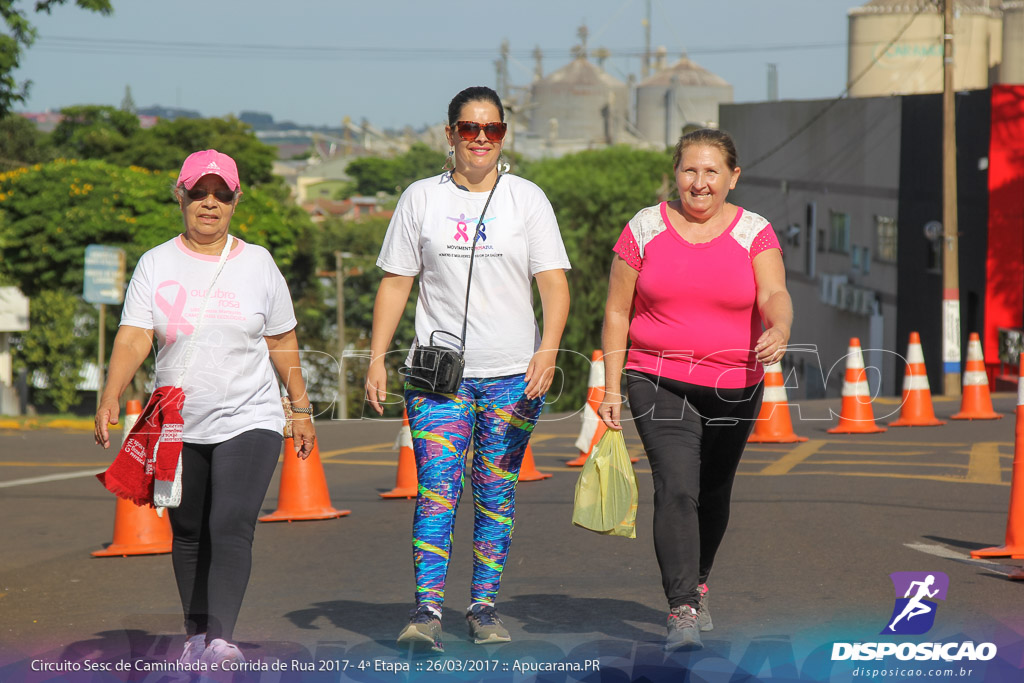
<point x="222" y="196"/>
<point x="469" y="130"/>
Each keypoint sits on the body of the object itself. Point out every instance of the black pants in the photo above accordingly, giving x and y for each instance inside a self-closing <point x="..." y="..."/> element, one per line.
<point x="694" y="437"/>
<point x="223" y="486"/>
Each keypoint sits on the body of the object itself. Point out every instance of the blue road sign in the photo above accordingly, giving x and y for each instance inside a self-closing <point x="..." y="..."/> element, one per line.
<point x="104" y="274"/>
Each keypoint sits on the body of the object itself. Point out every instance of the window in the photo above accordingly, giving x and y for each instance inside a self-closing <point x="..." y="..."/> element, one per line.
<point x="865" y="263"/>
<point x="885" y="238"/>
<point x="839" y="233"/>
<point x="855" y="258"/>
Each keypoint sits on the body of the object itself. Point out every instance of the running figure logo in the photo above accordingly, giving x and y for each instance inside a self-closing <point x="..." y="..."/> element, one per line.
<point x="462" y="223"/>
<point x="914" y="611"/>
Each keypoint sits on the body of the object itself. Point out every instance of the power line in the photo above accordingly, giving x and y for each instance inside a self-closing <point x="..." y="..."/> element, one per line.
<point x="121" y="46"/>
<point x="824" y="110"/>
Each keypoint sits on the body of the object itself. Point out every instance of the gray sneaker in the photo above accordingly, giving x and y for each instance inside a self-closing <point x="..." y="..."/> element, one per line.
<point x="485" y="626"/>
<point x="683" y="632"/>
<point x="220" y="652"/>
<point x="194" y="648"/>
<point x="424" y="628"/>
<point x="703" y="612"/>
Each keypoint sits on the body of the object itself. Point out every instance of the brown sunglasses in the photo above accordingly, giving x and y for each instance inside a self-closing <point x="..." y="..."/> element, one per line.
<point x="469" y="130"/>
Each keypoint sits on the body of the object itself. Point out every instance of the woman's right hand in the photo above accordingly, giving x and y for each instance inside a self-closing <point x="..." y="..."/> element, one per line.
<point x="376" y="385"/>
<point x="611" y="409"/>
<point x="106" y="415"/>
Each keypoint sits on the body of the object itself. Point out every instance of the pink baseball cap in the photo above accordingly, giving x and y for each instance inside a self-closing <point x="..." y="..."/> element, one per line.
<point x="208" y="162"/>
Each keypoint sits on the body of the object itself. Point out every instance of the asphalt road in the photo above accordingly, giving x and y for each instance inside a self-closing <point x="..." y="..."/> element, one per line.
<point x="816" y="530"/>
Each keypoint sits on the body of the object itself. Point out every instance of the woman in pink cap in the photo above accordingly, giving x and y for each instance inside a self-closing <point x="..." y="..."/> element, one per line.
<point x="222" y="317"/>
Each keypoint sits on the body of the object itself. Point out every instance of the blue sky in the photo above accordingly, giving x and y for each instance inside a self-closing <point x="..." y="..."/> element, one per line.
<point x="398" y="62"/>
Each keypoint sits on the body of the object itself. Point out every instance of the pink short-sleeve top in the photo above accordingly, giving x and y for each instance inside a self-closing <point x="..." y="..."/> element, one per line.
<point x="695" y="309"/>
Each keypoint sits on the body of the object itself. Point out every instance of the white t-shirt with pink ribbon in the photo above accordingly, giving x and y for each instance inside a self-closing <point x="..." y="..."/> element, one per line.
<point x="230" y="386"/>
<point x="431" y="235"/>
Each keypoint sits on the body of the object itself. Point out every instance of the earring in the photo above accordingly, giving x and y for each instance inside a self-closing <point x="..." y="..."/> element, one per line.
<point x="503" y="165"/>
<point x="449" y="163"/>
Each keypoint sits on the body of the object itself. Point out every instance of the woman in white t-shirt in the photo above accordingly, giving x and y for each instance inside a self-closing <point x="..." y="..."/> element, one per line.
<point x="508" y="364"/>
<point x="233" y="418"/>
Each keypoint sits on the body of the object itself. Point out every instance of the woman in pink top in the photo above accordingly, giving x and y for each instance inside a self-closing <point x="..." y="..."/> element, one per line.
<point x="699" y="287"/>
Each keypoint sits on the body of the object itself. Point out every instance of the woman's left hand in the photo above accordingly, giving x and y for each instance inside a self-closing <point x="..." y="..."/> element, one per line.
<point x="304" y="435"/>
<point x="540" y="373"/>
<point x="771" y="345"/>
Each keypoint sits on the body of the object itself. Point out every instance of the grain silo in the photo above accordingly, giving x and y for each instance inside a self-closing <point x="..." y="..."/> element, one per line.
<point x="579" y="102"/>
<point x="1012" y="68"/>
<point x="677" y="95"/>
<point x="895" y="46"/>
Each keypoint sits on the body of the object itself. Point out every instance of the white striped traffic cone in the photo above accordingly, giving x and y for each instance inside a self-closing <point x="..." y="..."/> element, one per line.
<point x="916" y="410"/>
<point x="855" y="416"/>
<point x="773" y="423"/>
<point x="593" y="428"/>
<point x="976" y="403"/>
<point x="1014" y="544"/>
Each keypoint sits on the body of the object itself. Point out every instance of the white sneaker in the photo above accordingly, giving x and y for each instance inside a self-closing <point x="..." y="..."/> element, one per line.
<point x="194" y="648"/>
<point x="220" y="651"/>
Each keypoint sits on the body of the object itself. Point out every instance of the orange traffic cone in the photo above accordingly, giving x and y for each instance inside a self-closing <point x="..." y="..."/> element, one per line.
<point x="1014" y="546"/>
<point x="976" y="403"/>
<point x="917" y="410"/>
<point x="138" y="530"/>
<point x="528" y="470"/>
<point x="406" y="482"/>
<point x="303" y="492"/>
<point x="773" y="424"/>
<point x="593" y="428"/>
<point x="855" y="416"/>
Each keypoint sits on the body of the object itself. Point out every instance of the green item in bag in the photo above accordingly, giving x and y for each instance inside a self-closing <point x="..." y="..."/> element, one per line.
<point x="606" y="495"/>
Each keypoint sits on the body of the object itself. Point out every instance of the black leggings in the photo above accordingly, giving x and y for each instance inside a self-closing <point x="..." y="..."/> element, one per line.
<point x="223" y="486"/>
<point x="694" y="437"/>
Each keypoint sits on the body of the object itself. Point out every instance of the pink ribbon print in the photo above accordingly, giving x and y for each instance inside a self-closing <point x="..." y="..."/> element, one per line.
<point x="175" y="320"/>
<point x="460" y="227"/>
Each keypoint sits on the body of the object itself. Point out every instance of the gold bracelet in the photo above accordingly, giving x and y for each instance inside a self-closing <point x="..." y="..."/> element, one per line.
<point x="308" y="410"/>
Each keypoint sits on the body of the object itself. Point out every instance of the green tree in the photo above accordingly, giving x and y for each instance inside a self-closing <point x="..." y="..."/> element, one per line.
<point x="20" y="35"/>
<point x="371" y="175"/>
<point x="165" y="146"/>
<point x="115" y="136"/>
<point x="21" y="142"/>
<point x="594" y="194"/>
<point x="51" y="347"/>
<point x="94" y="132"/>
<point x="362" y="240"/>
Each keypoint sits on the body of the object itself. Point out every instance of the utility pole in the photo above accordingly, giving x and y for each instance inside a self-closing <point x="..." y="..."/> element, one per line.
<point x="950" y="241"/>
<point x="339" y="285"/>
<point x="647" y="42"/>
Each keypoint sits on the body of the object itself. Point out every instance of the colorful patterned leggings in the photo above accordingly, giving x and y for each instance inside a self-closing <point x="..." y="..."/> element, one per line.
<point x="500" y="419"/>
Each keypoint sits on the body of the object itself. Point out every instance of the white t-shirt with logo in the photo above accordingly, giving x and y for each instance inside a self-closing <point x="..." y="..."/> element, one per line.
<point x="230" y="386"/>
<point x="431" y="235"/>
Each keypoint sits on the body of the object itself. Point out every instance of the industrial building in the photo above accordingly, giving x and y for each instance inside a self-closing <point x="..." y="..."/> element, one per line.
<point x="895" y="46"/>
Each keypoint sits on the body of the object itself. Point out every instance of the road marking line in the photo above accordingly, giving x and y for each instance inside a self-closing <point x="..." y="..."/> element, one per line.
<point x="888" y="475"/>
<point x="52" y="477"/>
<point x="870" y="453"/>
<point x="370" y="448"/>
<point x="918" y="444"/>
<point x="952" y="466"/>
<point x="983" y="466"/>
<point x="795" y="456"/>
<point x="946" y="553"/>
